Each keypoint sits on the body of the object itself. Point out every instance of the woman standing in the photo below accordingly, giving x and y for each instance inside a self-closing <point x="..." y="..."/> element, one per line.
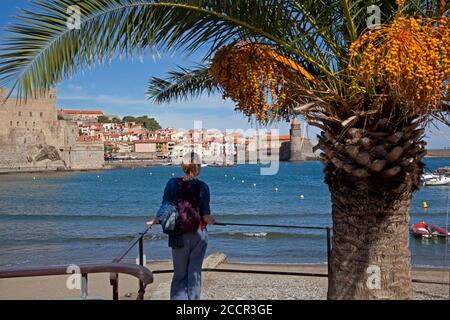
<point x="191" y="198"/>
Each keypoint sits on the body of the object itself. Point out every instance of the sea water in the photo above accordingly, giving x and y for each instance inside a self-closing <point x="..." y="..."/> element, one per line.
<point x="80" y="217"/>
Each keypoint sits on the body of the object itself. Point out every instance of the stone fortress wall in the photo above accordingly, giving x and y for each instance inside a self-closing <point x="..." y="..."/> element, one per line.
<point x="33" y="139"/>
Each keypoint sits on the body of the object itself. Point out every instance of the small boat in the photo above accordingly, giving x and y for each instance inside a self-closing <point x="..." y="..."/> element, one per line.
<point x="221" y="165"/>
<point x="444" y="171"/>
<point x="204" y="165"/>
<point x="426" y="230"/>
<point x="435" y="180"/>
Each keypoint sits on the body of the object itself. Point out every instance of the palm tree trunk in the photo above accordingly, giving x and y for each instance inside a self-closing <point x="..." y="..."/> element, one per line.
<point x="372" y="171"/>
<point x="370" y="257"/>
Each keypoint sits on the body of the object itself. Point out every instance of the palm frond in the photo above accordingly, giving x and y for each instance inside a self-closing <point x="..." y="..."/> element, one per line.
<point x="39" y="50"/>
<point x="182" y="84"/>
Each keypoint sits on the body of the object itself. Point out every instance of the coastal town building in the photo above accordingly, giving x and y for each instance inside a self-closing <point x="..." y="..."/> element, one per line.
<point x="278" y="145"/>
<point x="80" y="115"/>
<point x="131" y="140"/>
<point x="160" y="148"/>
<point x="124" y="147"/>
<point x="33" y="139"/>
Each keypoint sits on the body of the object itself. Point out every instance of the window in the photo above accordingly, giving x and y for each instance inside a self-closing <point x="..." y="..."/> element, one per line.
<point x="26" y="123"/>
<point x="20" y="113"/>
<point x="41" y="114"/>
<point x="34" y="124"/>
<point x="10" y="123"/>
<point x="18" y="123"/>
<point x="31" y="114"/>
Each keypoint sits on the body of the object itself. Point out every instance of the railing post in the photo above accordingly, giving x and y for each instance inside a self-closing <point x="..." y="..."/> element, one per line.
<point x="114" y="280"/>
<point x="141" y="262"/>
<point x="329" y="251"/>
<point x="84" y="286"/>
<point x="141" y="250"/>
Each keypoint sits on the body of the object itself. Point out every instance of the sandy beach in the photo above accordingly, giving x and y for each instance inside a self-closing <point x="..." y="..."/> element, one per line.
<point x="216" y="285"/>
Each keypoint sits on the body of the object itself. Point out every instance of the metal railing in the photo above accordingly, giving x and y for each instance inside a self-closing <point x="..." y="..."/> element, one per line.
<point x="114" y="276"/>
<point x="144" y="275"/>
<point x="326" y="229"/>
<point x="139" y="239"/>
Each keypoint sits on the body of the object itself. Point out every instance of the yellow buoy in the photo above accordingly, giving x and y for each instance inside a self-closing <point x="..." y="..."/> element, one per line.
<point x="425" y="205"/>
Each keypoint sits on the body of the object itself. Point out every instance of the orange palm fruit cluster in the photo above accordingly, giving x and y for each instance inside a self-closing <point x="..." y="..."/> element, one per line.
<point x="400" y="3"/>
<point x="409" y="59"/>
<point x="253" y="77"/>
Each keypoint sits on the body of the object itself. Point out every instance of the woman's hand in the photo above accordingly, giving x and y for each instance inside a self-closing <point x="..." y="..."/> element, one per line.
<point x="209" y="219"/>
<point x="152" y="222"/>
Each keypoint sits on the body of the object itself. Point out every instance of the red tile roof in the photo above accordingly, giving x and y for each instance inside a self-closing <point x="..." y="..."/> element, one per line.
<point x="279" y="138"/>
<point x="152" y="141"/>
<point x="87" y="139"/>
<point x="90" y="112"/>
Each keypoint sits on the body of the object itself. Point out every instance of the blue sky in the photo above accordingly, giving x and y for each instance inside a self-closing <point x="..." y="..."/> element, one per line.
<point x="119" y="88"/>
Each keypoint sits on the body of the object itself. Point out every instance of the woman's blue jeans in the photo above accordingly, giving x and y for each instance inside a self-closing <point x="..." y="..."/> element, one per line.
<point x="187" y="264"/>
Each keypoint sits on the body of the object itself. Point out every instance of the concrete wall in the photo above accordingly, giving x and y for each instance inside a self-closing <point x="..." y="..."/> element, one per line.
<point x="86" y="156"/>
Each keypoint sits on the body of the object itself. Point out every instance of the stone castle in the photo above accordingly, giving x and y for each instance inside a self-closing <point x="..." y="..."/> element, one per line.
<point x="300" y="146"/>
<point x="33" y="139"/>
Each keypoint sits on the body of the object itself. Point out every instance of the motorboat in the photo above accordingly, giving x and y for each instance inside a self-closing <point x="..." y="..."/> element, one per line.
<point x="423" y="229"/>
<point x="220" y="165"/>
<point x="432" y="179"/>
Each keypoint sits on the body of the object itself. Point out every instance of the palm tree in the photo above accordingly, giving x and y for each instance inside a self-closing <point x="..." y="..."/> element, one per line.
<point x="371" y="92"/>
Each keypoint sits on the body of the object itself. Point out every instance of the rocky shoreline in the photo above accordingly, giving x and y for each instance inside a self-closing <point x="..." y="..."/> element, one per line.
<point x="107" y="166"/>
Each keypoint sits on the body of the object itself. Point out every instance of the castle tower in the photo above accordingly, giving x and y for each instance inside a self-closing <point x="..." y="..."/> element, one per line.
<point x="296" y="141"/>
<point x="301" y="148"/>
